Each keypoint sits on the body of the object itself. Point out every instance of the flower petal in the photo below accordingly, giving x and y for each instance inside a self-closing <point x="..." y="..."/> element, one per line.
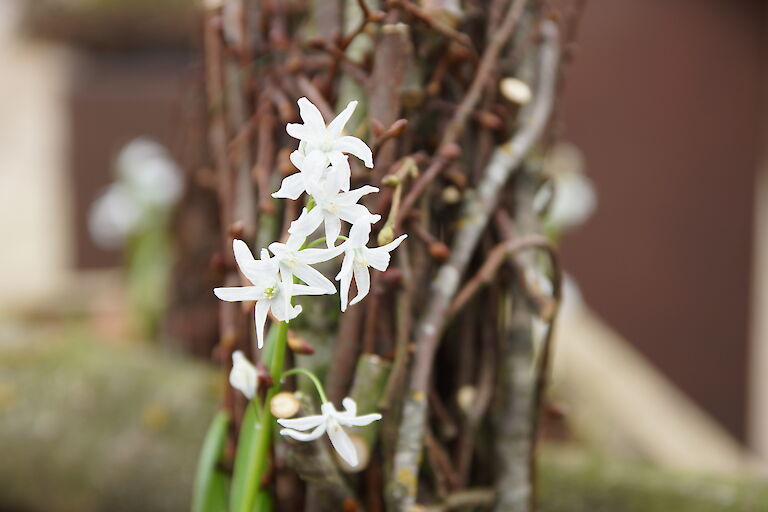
<point x="332" y="229"/>
<point x="304" y="423"/>
<point x="300" y="289"/>
<point x="312" y="118"/>
<point x="354" y="196"/>
<point x="363" y="282"/>
<point x="304" y="436"/>
<point x="238" y="293"/>
<point x="361" y="421"/>
<point x="312" y="256"/>
<point x="291" y="188"/>
<point x="354" y="146"/>
<point x="378" y="257"/>
<point x="350" y="406"/>
<point x="340" y="168"/>
<point x="313" y="278"/>
<point x="260" y="318"/>
<point x="307" y="223"/>
<point x="345" y="276"/>
<point x="336" y="127"/>
<point x="300" y="131"/>
<point x="342" y="443"/>
<point x="360" y="232"/>
<point x="354" y="213"/>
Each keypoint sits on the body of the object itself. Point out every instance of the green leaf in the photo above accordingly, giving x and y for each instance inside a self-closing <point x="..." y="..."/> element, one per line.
<point x="210" y="493"/>
<point x="263" y="502"/>
<point x="245" y="471"/>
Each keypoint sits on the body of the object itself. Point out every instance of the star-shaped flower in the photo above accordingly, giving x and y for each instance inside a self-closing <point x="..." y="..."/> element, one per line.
<point x="294" y="261"/>
<point x="328" y="140"/>
<point x="332" y="422"/>
<point x="331" y="207"/>
<point x="269" y="292"/>
<point x="358" y="257"/>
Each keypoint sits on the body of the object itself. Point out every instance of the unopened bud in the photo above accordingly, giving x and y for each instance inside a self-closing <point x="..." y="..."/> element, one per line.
<point x="515" y="90"/>
<point x="390" y="180"/>
<point x="284" y="405"/>
<point x="236" y="229"/>
<point x="397" y="128"/>
<point x="451" y="150"/>
<point x="451" y="195"/>
<point x="299" y="345"/>
<point x="386" y="235"/>
<point x="489" y="120"/>
<point x="293" y="65"/>
<point x="377" y="128"/>
<point x="439" y="251"/>
<point x="466" y="397"/>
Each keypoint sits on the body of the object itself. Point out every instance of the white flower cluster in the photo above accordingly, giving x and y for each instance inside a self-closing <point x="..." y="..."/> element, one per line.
<point x="324" y="174"/>
<point x="148" y="181"/>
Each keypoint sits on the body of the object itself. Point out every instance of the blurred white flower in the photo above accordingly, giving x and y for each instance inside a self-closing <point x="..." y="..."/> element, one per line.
<point x="114" y="216"/>
<point x="358" y="257"/>
<point x="243" y="375"/>
<point x="332" y="422"/>
<point x="574" y="198"/>
<point x="147" y="167"/>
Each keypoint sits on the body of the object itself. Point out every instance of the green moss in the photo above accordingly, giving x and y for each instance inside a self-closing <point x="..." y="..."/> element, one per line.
<point x="579" y="483"/>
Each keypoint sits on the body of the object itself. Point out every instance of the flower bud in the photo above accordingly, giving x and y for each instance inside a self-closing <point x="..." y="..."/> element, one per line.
<point x="515" y="90"/>
<point x="284" y="405"/>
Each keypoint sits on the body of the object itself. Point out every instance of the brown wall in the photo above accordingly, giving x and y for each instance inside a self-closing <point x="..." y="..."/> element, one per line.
<point x="664" y="99"/>
<point x="115" y="98"/>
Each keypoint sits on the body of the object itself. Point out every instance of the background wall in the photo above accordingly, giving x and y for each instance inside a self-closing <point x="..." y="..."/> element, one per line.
<point x="665" y="99"/>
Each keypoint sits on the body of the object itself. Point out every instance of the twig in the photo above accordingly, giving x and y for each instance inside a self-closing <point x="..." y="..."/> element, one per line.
<point x="504" y="161"/>
<point x="480" y="497"/>
<point x="466" y="107"/>
<point x="436" y="25"/>
<point x="493" y="261"/>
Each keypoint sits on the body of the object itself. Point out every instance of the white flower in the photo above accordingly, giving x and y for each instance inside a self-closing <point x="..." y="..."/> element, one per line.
<point x="331" y="207"/>
<point x="328" y="140"/>
<point x="269" y="292"/>
<point x="332" y="422"/>
<point x="295" y="262"/>
<point x="243" y="376"/>
<point x="357" y="259"/>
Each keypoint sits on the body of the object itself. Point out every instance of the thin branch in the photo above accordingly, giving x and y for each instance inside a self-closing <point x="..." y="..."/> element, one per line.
<point x="504" y="161"/>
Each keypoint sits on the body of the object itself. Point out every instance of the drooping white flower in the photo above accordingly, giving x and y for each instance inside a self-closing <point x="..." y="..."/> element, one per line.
<point x="243" y="376"/>
<point x="357" y="259"/>
<point x="331" y="207"/>
<point x="332" y="422"/>
<point x="328" y="140"/>
<point x="294" y="261"/>
<point x="269" y="292"/>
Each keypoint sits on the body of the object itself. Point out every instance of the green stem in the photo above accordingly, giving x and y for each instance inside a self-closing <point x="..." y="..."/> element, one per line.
<point x="266" y="421"/>
<point x="321" y="240"/>
<point x="311" y="377"/>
